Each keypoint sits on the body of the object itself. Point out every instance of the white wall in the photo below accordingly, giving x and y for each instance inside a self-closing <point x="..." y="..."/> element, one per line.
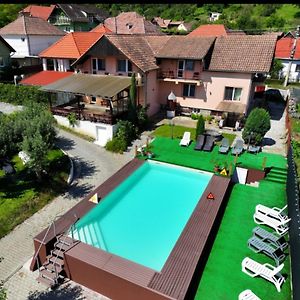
<point x="20" y="46"/>
<point x="293" y="74"/>
<point x="91" y="129"/>
<point x="38" y="43"/>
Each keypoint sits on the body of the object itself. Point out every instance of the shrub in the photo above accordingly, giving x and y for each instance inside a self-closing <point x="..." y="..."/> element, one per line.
<point x="257" y="125"/>
<point x="117" y="145"/>
<point x="72" y="119"/>
<point x="194" y="116"/>
<point x="21" y="95"/>
<point x="200" y="126"/>
<point x="126" y="131"/>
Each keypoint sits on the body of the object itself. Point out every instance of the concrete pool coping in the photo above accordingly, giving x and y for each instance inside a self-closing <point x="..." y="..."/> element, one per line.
<point x="119" y="278"/>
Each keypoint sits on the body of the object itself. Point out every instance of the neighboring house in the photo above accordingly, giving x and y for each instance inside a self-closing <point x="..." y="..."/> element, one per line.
<point x="169" y="24"/>
<point x="29" y="36"/>
<point x="214" y="16"/>
<point x="288" y="51"/>
<point x="208" y="75"/>
<point x="131" y="23"/>
<point x="61" y="55"/>
<point x="5" y="53"/>
<point x="42" y="12"/>
<point x="214" y="30"/>
<point x="77" y="17"/>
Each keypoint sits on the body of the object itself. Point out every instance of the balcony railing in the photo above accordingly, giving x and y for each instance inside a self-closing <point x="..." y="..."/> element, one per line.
<point x="61" y="20"/>
<point x="174" y="75"/>
<point x="84" y="115"/>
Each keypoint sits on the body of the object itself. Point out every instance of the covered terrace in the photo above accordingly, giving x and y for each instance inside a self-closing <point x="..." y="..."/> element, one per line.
<point x="95" y="98"/>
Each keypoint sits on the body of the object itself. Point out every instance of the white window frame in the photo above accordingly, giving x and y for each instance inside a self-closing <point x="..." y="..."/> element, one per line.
<point x="233" y="93"/>
<point x="94" y="71"/>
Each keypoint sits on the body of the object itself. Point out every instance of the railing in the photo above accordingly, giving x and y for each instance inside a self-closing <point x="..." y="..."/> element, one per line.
<point x="174" y="75"/>
<point x="44" y="238"/>
<point x="83" y="115"/>
<point x="59" y="20"/>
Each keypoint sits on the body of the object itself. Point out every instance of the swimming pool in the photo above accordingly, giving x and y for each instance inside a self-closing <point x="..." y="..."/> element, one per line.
<point x="143" y="217"/>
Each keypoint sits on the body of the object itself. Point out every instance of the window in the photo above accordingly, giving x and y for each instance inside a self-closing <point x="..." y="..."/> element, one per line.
<point x="98" y="64"/>
<point x="1" y="61"/>
<point x="124" y="65"/>
<point x="189" y="65"/>
<point x="93" y="99"/>
<point x="232" y="93"/>
<point x="297" y="68"/>
<point x="189" y="90"/>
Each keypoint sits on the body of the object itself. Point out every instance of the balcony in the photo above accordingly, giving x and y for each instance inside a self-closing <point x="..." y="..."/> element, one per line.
<point x="61" y="20"/>
<point x="180" y="76"/>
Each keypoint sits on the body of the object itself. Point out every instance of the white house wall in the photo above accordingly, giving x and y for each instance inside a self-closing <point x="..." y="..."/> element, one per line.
<point x="20" y="46"/>
<point x="90" y="129"/>
<point x="38" y="43"/>
<point x="293" y="74"/>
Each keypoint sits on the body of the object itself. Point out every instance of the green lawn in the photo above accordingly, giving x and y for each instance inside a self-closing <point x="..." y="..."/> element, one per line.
<point x="168" y="150"/>
<point x="223" y="278"/>
<point x="21" y="195"/>
<point x="178" y="131"/>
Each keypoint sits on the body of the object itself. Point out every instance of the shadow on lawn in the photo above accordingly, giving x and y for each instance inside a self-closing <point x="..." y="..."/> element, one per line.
<point x="64" y="292"/>
<point x="64" y="143"/>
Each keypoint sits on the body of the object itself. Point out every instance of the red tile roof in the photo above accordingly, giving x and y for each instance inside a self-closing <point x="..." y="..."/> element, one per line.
<point x="209" y="30"/>
<point x="42" y="12"/>
<point x="131" y="23"/>
<point x="284" y="48"/>
<point x="73" y="45"/>
<point x="243" y="53"/>
<point x="101" y="28"/>
<point x="45" y="77"/>
<point x="30" y="26"/>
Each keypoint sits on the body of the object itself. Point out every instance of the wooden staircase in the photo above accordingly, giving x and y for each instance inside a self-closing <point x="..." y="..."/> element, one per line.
<point x="52" y="269"/>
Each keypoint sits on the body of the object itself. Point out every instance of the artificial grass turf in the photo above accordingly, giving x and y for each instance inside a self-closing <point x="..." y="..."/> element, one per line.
<point x="223" y="277"/>
<point x="168" y="150"/>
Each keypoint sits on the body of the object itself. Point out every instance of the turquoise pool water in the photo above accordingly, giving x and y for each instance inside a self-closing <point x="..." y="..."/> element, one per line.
<point x="142" y="218"/>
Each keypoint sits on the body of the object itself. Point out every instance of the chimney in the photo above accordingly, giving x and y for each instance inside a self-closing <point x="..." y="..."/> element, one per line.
<point x="25" y="13"/>
<point x="298" y="31"/>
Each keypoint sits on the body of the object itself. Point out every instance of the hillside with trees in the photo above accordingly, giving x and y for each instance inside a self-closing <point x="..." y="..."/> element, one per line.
<point x="252" y="18"/>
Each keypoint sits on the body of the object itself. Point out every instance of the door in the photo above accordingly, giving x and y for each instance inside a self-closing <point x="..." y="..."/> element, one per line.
<point x="101" y="134"/>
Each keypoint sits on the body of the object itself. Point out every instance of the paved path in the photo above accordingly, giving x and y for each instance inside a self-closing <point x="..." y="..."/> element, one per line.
<point x="93" y="166"/>
<point x="275" y="138"/>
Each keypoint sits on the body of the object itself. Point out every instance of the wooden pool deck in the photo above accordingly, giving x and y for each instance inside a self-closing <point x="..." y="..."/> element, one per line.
<point x="119" y="278"/>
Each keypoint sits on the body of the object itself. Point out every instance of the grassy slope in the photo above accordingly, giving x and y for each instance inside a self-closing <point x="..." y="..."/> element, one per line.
<point x="21" y="195"/>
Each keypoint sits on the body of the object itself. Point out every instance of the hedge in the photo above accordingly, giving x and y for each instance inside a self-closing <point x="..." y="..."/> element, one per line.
<point x="20" y="95"/>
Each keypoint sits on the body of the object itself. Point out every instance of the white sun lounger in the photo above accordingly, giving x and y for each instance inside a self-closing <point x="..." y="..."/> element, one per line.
<point x="186" y="139"/>
<point x="279" y="226"/>
<point x="274" y="212"/>
<point x="248" y="295"/>
<point x="267" y="271"/>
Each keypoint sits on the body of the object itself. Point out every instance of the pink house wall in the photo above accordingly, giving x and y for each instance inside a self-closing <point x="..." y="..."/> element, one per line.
<point x="110" y="66"/>
<point x="151" y="87"/>
<point x="172" y="65"/>
<point x="209" y="94"/>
